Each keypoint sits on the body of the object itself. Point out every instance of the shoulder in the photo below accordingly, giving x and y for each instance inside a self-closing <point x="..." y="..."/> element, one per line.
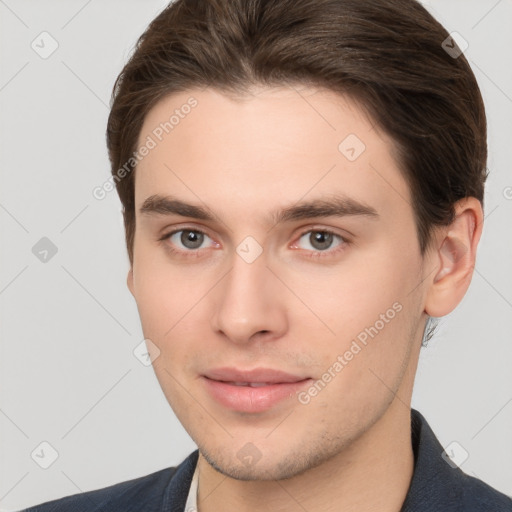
<point x="123" y="495"/>
<point x="438" y="484"/>
<point x="478" y="496"/>
<point x="152" y="493"/>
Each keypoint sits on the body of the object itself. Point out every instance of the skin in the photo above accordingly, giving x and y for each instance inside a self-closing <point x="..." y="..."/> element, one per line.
<point x="296" y="307"/>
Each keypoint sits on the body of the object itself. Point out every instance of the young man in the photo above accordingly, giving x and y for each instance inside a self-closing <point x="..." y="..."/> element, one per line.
<point x="302" y="183"/>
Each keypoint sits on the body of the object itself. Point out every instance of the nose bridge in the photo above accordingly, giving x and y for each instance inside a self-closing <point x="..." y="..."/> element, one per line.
<point x="248" y="300"/>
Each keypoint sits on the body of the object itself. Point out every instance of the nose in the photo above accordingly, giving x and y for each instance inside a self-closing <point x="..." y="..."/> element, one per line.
<point x="249" y="303"/>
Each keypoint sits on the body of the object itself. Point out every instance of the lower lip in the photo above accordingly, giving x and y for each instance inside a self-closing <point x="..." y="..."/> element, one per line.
<point x="249" y="399"/>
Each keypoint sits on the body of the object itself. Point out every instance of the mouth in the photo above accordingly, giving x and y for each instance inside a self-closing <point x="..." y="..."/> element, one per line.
<point x="252" y="391"/>
<point x="251" y="384"/>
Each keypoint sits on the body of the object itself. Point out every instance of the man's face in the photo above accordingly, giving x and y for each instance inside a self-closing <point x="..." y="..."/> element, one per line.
<point x="320" y="311"/>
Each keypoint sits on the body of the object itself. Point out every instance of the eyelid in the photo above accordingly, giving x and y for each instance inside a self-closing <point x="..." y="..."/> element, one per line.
<point x="176" y="229"/>
<point x="167" y="232"/>
<point x="322" y="229"/>
<point x="318" y="254"/>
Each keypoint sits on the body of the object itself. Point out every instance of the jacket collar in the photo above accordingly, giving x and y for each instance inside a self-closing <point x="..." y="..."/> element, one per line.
<point x="435" y="485"/>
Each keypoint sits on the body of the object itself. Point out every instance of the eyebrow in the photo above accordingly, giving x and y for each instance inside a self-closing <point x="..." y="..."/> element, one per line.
<point x="335" y="206"/>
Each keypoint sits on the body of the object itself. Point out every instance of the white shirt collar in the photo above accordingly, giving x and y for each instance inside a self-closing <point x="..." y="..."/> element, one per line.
<point x="191" y="504"/>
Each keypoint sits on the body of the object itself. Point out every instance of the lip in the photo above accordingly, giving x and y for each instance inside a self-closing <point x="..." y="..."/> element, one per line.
<point x="227" y="374"/>
<point x="273" y="387"/>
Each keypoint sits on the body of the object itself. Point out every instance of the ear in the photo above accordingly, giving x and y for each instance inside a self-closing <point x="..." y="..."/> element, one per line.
<point x="129" y="280"/>
<point x="454" y="258"/>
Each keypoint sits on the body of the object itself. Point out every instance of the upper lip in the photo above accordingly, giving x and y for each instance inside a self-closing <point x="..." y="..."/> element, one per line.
<point x="267" y="375"/>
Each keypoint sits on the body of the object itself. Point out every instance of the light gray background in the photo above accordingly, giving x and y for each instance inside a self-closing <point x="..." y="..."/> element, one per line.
<point x="69" y="326"/>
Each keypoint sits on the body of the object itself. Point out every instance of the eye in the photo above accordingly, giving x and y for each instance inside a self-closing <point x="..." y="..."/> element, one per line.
<point x="320" y="241"/>
<point x="187" y="240"/>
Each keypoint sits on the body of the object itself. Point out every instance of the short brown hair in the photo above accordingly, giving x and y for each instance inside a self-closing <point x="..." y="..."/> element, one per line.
<point x="385" y="54"/>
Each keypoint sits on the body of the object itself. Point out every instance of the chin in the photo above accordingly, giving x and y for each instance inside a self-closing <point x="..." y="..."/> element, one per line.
<point x="286" y="465"/>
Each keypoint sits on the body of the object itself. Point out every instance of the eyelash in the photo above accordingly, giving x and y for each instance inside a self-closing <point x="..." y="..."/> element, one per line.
<point x="344" y="242"/>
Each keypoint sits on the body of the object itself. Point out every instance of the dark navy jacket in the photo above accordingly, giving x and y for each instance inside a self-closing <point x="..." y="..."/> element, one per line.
<point x="436" y="486"/>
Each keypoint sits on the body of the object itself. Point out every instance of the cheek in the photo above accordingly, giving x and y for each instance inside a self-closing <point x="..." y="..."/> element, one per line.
<point x="171" y="301"/>
<point x="163" y="291"/>
<point x="353" y="296"/>
<point x="373" y="310"/>
<point x="387" y="319"/>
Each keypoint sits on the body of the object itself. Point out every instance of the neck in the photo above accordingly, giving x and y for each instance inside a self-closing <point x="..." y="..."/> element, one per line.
<point x="373" y="474"/>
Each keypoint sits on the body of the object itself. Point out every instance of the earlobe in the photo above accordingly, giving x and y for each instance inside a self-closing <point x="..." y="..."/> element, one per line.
<point x="454" y="258"/>
<point x="129" y="280"/>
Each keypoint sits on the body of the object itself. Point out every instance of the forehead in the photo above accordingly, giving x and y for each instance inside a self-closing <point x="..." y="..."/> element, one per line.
<point x="272" y="146"/>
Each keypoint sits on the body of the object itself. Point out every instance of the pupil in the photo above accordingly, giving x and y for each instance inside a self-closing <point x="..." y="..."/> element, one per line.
<point x="192" y="239"/>
<point x="321" y="240"/>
